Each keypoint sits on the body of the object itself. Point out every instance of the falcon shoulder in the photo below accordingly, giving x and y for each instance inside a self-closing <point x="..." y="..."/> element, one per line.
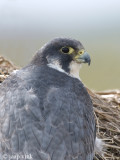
<point x="47" y="118"/>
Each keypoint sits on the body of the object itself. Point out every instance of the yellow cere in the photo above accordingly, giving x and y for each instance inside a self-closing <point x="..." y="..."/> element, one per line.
<point x="81" y="51"/>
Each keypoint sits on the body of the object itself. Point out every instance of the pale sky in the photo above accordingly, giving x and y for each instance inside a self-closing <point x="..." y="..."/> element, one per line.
<point x="63" y="14"/>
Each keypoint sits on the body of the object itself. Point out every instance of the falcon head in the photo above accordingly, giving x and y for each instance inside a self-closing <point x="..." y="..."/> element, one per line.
<point x="66" y="54"/>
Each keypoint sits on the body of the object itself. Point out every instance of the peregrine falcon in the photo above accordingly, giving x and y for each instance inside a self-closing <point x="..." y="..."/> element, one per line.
<point x="45" y="110"/>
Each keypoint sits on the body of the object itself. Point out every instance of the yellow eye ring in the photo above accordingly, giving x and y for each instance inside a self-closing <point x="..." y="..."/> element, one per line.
<point x="67" y="50"/>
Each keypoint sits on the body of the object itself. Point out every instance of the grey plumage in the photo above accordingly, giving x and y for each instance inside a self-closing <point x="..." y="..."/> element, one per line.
<point x="46" y="113"/>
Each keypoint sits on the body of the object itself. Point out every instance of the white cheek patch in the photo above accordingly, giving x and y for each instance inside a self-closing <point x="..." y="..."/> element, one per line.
<point x="56" y="65"/>
<point x="74" y="68"/>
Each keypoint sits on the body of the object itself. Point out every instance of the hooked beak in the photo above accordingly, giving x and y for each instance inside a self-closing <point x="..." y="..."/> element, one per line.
<point x="83" y="58"/>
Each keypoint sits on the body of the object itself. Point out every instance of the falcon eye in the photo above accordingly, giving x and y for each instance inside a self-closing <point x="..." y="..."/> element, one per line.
<point x="65" y="49"/>
<point x="68" y="50"/>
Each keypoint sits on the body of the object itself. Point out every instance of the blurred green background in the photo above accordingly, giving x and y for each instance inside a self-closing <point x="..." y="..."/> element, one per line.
<point x="25" y="25"/>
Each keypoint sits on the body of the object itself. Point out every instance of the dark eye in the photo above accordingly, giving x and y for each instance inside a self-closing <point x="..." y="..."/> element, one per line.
<point x="65" y="49"/>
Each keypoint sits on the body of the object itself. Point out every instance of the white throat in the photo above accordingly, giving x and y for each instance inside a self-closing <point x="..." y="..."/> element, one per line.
<point x="74" y="68"/>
